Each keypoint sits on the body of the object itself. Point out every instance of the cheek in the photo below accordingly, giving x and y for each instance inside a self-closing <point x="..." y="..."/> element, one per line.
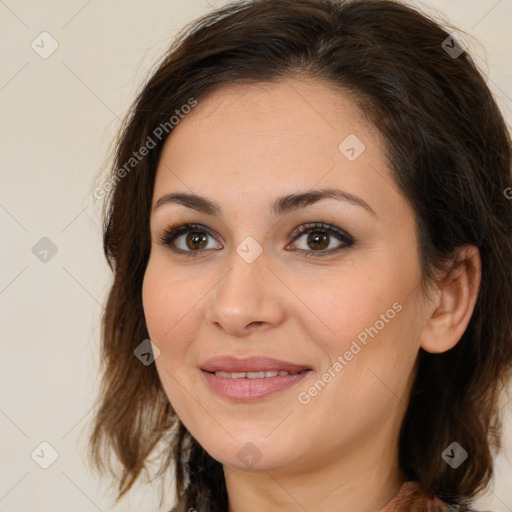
<point x="154" y="301"/>
<point x="167" y="309"/>
<point x="375" y="299"/>
<point x="345" y="306"/>
<point x="163" y="309"/>
<point x="174" y="310"/>
<point x="167" y="301"/>
<point x="368" y="322"/>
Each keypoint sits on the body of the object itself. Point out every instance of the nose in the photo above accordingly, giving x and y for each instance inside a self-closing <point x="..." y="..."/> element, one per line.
<point x="248" y="297"/>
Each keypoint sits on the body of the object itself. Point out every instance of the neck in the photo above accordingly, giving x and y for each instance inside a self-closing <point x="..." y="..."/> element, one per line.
<point x="364" y="478"/>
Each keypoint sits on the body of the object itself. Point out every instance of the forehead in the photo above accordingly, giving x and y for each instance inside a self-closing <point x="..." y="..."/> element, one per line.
<point x="282" y="107"/>
<point x="265" y="125"/>
<point x="254" y="142"/>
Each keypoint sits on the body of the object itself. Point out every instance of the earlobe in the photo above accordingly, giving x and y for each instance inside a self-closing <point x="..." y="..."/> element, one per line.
<point x="455" y="302"/>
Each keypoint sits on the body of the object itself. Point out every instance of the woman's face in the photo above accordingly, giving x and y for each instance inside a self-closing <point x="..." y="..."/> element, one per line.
<point x="345" y="302"/>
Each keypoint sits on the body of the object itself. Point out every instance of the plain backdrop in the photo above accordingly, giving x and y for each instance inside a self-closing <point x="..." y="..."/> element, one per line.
<point x="60" y="113"/>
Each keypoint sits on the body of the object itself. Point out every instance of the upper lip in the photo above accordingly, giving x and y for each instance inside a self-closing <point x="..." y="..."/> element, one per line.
<point x="230" y="363"/>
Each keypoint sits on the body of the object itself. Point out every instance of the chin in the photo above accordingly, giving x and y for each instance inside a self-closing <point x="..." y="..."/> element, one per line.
<point x="252" y="455"/>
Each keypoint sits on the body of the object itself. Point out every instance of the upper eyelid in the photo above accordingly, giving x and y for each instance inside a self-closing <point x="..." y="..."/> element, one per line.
<point x="326" y="226"/>
<point x="184" y="228"/>
<point x="191" y="226"/>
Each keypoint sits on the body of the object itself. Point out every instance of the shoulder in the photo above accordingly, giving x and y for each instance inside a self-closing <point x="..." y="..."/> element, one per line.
<point x="460" y="508"/>
<point x="411" y="497"/>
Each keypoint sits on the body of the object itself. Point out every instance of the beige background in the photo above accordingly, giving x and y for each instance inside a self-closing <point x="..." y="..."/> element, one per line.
<point x="59" y="116"/>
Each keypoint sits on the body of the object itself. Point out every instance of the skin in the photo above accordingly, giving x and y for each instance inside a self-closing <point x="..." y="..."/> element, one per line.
<point x="242" y="147"/>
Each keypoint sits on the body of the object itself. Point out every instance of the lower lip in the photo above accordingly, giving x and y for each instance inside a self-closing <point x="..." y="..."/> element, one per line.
<point x="248" y="390"/>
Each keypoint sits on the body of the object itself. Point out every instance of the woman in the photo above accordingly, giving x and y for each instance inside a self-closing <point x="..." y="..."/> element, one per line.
<point x="309" y="220"/>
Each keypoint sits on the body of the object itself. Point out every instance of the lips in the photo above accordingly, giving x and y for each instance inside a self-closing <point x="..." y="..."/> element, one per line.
<point x="233" y="364"/>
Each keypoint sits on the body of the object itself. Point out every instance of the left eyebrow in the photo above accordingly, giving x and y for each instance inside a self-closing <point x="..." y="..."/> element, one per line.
<point x="281" y="206"/>
<point x="296" y="201"/>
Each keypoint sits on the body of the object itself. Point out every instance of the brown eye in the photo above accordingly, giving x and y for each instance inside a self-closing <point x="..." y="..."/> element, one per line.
<point x="196" y="240"/>
<point x="317" y="240"/>
<point x="188" y="239"/>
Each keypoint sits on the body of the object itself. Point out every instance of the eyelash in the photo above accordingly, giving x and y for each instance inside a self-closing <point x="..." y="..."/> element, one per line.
<point x="174" y="231"/>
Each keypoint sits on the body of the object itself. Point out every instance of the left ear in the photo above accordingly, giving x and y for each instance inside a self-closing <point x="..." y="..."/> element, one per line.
<point x="455" y="301"/>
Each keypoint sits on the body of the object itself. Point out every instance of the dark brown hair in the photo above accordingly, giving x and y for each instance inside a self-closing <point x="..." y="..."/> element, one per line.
<point x="450" y="155"/>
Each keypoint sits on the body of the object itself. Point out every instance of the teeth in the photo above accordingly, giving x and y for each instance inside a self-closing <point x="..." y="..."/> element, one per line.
<point x="252" y="375"/>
